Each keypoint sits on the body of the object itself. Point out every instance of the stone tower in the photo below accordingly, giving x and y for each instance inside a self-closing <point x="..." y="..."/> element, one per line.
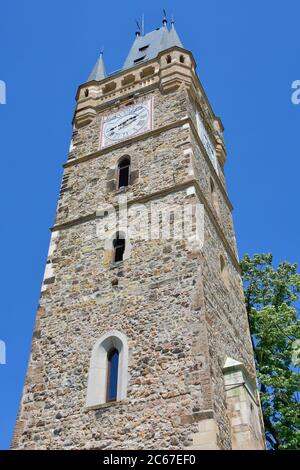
<point x="141" y="339"/>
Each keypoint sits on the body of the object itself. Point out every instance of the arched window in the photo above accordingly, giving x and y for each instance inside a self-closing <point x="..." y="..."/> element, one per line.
<point x="181" y="58"/>
<point x="108" y="371"/>
<point x="112" y="374"/>
<point x="168" y="59"/>
<point x="124" y="173"/>
<point x="119" y="247"/>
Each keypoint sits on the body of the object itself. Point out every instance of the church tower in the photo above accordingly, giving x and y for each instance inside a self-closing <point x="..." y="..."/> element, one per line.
<point x="141" y="339"/>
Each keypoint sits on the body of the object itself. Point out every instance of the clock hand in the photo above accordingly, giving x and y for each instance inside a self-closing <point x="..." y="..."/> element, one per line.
<point x="125" y="122"/>
<point x="113" y="128"/>
<point x="111" y="131"/>
<point x="120" y="126"/>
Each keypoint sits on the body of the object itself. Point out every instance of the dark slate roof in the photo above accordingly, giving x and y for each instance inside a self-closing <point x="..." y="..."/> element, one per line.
<point x="147" y="47"/>
<point x="98" y="72"/>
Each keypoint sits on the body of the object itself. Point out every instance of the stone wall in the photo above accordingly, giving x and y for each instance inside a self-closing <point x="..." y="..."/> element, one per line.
<point x="158" y="163"/>
<point x="151" y="304"/>
<point x="178" y="342"/>
<point x="86" y="139"/>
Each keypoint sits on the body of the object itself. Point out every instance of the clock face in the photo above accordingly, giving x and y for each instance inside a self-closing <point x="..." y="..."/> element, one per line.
<point x="127" y="122"/>
<point x="210" y="149"/>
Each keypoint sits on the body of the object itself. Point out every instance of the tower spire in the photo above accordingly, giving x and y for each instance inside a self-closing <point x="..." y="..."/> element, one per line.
<point x="98" y="72"/>
<point x="148" y="46"/>
<point x="173" y="39"/>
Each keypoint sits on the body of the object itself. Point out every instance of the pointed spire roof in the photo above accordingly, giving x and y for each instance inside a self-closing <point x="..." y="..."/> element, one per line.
<point x="98" y="72"/>
<point x="147" y="47"/>
<point x="173" y="38"/>
<point x="232" y="363"/>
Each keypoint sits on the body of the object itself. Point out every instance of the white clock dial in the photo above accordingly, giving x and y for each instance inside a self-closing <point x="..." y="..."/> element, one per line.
<point x="125" y="123"/>
<point x="208" y="145"/>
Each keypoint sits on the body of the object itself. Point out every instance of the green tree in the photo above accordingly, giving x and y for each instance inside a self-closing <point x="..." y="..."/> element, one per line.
<point x="271" y="296"/>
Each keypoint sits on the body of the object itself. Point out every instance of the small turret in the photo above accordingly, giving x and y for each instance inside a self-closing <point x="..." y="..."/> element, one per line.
<point x="98" y="72"/>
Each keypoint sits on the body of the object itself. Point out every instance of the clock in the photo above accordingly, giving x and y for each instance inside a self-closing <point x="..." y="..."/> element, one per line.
<point x="206" y="141"/>
<point x="126" y="122"/>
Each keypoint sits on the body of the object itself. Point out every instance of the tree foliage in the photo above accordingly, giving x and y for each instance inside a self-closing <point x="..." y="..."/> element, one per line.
<point x="271" y="297"/>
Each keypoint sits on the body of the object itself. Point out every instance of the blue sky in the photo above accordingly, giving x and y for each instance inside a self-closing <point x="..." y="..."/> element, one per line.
<point x="247" y="55"/>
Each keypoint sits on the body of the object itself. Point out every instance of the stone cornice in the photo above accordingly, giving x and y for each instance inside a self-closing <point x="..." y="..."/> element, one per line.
<point x="113" y="99"/>
<point x="155" y="79"/>
<point x="128" y="93"/>
<point x="120" y="73"/>
<point x="159" y="194"/>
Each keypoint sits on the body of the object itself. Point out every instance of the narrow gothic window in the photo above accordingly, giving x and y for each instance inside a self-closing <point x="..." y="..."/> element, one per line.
<point x="169" y="60"/>
<point x="123" y="172"/>
<point x="181" y="59"/>
<point x="119" y="247"/>
<point x="112" y="374"/>
<point x="108" y="373"/>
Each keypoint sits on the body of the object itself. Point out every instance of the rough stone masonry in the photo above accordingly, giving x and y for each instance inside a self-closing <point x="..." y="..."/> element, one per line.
<point x="190" y="377"/>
